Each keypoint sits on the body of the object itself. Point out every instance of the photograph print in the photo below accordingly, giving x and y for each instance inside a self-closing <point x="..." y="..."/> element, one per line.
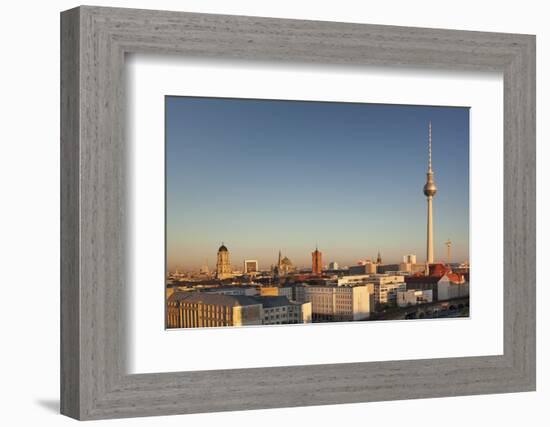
<point x="289" y="212"/>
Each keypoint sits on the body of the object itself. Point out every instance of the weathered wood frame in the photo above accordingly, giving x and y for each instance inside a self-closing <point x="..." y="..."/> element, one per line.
<point x="94" y="382"/>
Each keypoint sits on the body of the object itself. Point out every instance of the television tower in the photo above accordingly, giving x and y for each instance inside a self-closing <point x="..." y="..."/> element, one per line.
<point x="429" y="191"/>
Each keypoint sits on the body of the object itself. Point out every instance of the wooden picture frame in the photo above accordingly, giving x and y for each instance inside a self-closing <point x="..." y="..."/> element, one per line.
<point x="94" y="382"/>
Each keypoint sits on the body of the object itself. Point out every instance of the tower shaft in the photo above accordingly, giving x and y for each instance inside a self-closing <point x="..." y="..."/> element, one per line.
<point x="430" y="233"/>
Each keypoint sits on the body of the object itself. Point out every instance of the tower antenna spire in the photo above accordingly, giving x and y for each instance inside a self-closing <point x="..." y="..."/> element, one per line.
<point x="430" y="146"/>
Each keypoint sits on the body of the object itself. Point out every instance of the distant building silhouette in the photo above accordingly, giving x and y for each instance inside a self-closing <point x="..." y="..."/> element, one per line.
<point x="204" y="268"/>
<point x="333" y="265"/>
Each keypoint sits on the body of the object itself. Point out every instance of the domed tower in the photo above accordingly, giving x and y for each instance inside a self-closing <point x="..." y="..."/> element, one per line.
<point x="223" y="266"/>
<point x="429" y="191"/>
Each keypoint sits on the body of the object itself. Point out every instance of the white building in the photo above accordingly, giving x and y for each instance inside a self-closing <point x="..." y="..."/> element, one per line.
<point x="413" y="297"/>
<point x="405" y="266"/>
<point x="278" y="310"/>
<point x="386" y="287"/>
<point x="367" y="267"/>
<point x="386" y="294"/>
<point x="340" y="303"/>
<point x="333" y="265"/>
<point x="410" y="265"/>
<point x="356" y="279"/>
<point x="409" y="259"/>
<point x="250" y="267"/>
<point x="452" y="285"/>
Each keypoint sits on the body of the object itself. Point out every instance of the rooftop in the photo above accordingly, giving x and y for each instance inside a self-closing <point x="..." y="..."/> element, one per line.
<point x="272" y="301"/>
<point x="422" y="279"/>
<point x="212" y="299"/>
<point x="455" y="278"/>
<point x="228" y="288"/>
<point x="439" y="269"/>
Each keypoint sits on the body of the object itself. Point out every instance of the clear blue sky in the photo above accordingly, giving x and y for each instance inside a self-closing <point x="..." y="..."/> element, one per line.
<point x="265" y="175"/>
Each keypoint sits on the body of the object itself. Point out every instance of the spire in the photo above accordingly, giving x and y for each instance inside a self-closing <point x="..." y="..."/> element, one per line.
<point x="430" y="147"/>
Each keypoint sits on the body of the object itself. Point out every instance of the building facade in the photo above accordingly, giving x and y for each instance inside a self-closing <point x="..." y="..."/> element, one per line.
<point x="442" y="281"/>
<point x="207" y="309"/>
<point x="386" y="294"/>
<point x="409" y="259"/>
<point x="386" y="287"/>
<point x="340" y="303"/>
<point x="250" y="267"/>
<point x="278" y="310"/>
<point x="409" y="264"/>
<point x="202" y="310"/>
<point x="283" y="291"/>
<point x="299" y="292"/>
<point x="358" y="279"/>
<point x="452" y="285"/>
<point x="413" y="297"/>
<point x="233" y="290"/>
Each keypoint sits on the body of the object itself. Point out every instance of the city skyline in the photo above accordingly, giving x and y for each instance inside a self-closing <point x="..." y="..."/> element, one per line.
<point x="237" y="264"/>
<point x="266" y="175"/>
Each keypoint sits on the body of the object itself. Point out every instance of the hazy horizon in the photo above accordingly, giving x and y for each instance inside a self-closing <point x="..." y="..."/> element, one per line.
<point x="267" y="175"/>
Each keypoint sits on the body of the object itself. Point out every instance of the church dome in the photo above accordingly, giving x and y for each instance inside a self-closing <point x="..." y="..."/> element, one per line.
<point x="286" y="261"/>
<point x="222" y="248"/>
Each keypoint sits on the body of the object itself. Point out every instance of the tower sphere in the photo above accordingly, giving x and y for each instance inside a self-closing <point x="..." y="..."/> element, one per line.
<point x="430" y="188"/>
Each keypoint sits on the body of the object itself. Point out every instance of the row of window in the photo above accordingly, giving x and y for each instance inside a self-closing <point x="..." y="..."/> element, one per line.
<point x="277" y="316"/>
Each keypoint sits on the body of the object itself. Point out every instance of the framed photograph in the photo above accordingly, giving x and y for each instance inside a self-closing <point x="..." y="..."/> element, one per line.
<point x="278" y="213"/>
